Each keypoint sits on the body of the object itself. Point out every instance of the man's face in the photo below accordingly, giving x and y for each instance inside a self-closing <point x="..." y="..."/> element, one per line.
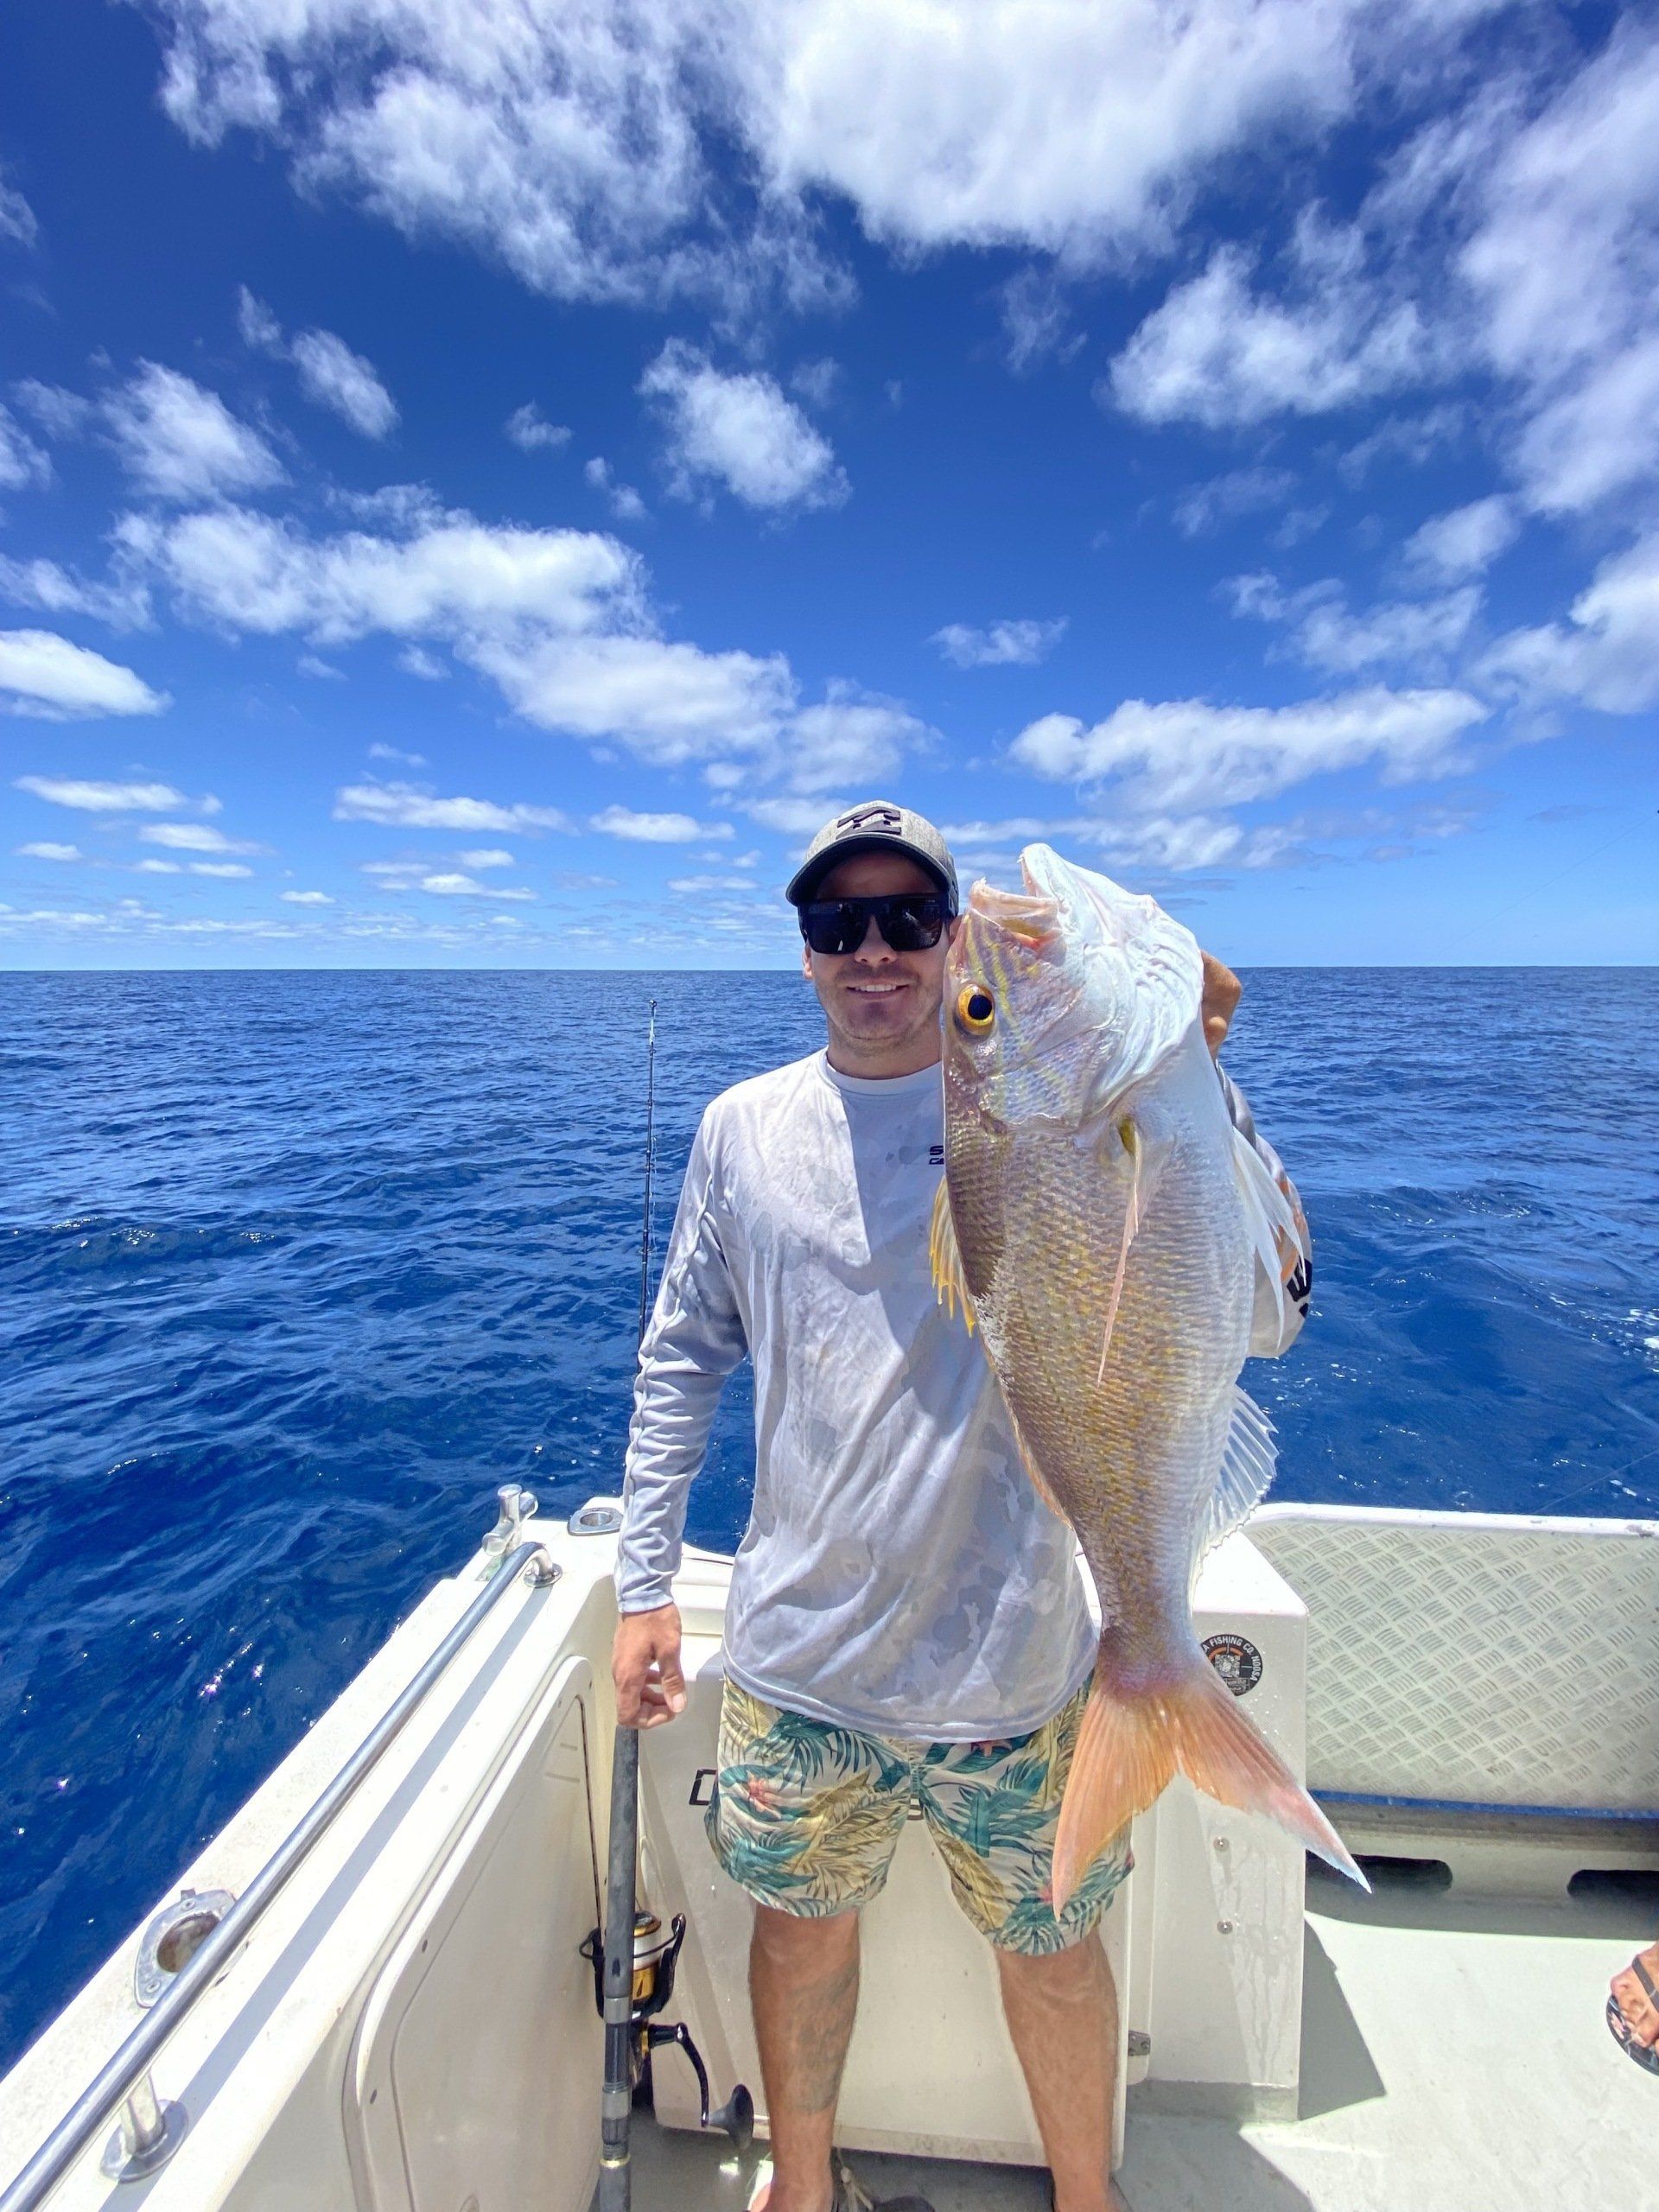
<point x="876" y="1000"/>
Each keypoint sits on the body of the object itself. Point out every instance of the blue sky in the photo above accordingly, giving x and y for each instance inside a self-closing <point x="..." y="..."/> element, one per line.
<point x="473" y="497"/>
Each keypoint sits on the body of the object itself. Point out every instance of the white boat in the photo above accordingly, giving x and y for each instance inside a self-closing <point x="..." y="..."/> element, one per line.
<point x="389" y="2008"/>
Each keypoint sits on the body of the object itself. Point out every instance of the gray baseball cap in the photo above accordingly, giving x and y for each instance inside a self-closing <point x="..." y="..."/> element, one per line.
<point x="876" y="825"/>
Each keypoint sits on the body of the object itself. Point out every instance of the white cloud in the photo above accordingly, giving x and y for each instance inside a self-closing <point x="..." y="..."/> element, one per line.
<point x="1410" y="439"/>
<point x="1221" y="499"/>
<point x="531" y="432"/>
<point x="1562" y="267"/>
<point x="21" y="461"/>
<point x="671" y="703"/>
<point x="626" y="502"/>
<point x="1418" y="635"/>
<point x="48" y="677"/>
<point x="122" y="603"/>
<point x="794" y="817"/>
<point x="619" y="153"/>
<point x="851" y="737"/>
<point x="817" y="382"/>
<point x="312" y="665"/>
<point x="656" y="829"/>
<point x="217" y="867"/>
<point x="1513" y="238"/>
<point x="464" y="887"/>
<point x="449" y="577"/>
<point x="1466" y="540"/>
<point x="558" y="620"/>
<point x="102" y="799"/>
<point x="738" y="430"/>
<point x="1036" y="322"/>
<point x="1001" y="644"/>
<point x="158" y="868"/>
<point x="60" y="413"/>
<point x="1607" y="653"/>
<point x="415" y="660"/>
<point x="305" y="898"/>
<point x="1073" y="128"/>
<point x="1185" y="755"/>
<point x="17" y="221"/>
<point x="402" y="806"/>
<point x="178" y="441"/>
<point x="333" y="376"/>
<point x="486" y="856"/>
<point x="1218" y="352"/>
<point x="190" y="837"/>
<point x="43" y="848"/>
<point x="260" y="331"/>
<point x="380" y="752"/>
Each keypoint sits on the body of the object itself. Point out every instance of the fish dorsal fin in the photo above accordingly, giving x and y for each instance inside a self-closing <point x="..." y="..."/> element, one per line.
<point x="1248" y="1461"/>
<point x="949" y="1283"/>
<point x="1268" y="1220"/>
<point x="1149" y="969"/>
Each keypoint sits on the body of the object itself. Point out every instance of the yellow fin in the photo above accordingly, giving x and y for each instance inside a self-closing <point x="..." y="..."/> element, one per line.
<point x="1129" y="1136"/>
<point x="949" y="1281"/>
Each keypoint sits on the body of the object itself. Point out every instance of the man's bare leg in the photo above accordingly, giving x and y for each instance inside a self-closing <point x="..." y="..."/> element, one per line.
<point x="803" y="1986"/>
<point x="1062" y="2013"/>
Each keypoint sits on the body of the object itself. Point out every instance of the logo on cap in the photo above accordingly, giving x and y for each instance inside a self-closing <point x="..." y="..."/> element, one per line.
<point x="885" y="819"/>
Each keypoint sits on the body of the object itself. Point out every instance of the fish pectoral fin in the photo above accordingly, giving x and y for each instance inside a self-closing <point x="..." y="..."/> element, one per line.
<point x="1247" y="1462"/>
<point x="949" y="1283"/>
<point x="1127" y="1147"/>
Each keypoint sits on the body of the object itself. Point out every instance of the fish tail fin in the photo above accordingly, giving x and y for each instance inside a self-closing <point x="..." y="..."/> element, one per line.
<point x="1131" y="1743"/>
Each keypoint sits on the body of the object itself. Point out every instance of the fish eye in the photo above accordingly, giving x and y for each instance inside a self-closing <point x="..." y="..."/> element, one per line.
<point x="976" y="1009"/>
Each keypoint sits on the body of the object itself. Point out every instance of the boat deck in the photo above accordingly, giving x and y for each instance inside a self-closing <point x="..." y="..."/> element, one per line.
<point x="1454" y="2059"/>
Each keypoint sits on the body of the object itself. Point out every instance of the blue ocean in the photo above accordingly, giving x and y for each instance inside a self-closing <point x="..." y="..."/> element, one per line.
<point x="295" y="1269"/>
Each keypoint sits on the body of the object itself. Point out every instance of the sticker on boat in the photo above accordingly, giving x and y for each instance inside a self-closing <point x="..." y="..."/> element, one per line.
<point x="1236" y="1660"/>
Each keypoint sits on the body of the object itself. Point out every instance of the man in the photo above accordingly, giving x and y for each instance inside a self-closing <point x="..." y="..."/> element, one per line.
<point x="907" y="1622"/>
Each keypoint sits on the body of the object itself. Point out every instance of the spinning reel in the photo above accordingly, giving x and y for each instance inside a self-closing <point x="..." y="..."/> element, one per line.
<point x="656" y="1959"/>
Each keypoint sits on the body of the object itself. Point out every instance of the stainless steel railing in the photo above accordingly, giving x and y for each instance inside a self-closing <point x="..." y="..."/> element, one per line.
<point x="149" y="2129"/>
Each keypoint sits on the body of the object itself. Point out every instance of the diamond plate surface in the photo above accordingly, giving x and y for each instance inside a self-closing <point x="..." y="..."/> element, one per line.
<point x="1486" y="1666"/>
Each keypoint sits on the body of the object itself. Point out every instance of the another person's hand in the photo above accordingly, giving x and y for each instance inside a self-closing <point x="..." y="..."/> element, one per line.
<point x="645" y="1668"/>
<point x="1641" y="2013"/>
<point x="1222" y="993"/>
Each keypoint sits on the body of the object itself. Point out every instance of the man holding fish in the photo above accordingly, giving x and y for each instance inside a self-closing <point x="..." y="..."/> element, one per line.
<point x="907" y="1622"/>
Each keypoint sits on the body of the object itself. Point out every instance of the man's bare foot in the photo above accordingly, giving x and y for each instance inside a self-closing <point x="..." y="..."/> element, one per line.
<point x="1640" y="2011"/>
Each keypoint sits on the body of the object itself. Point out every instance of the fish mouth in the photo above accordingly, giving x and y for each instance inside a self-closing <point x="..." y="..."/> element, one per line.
<point x="1026" y="915"/>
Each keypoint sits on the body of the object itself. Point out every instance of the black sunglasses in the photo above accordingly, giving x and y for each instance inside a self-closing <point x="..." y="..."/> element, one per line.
<point x="910" y="921"/>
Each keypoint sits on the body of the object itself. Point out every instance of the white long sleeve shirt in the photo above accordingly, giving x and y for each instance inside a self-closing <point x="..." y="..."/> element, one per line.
<point x="900" y="1574"/>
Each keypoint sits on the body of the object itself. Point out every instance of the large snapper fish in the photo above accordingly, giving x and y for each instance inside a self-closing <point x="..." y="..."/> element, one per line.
<point x="1103" y="1224"/>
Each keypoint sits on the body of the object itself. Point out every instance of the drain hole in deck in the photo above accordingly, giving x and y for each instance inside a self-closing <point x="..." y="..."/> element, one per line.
<point x="1632" y="1885"/>
<point x="183" y="1940"/>
<point x="1386" y="1872"/>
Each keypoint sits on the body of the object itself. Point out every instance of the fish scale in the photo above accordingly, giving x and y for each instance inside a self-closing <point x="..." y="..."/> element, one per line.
<point x="1100" y="1222"/>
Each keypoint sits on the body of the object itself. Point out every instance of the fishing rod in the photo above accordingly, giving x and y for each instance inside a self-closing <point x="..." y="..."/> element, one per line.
<point x="621" y="1902"/>
<point x="634" y="1962"/>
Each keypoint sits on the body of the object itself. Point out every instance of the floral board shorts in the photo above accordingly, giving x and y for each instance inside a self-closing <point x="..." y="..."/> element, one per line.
<point x="806" y="1817"/>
